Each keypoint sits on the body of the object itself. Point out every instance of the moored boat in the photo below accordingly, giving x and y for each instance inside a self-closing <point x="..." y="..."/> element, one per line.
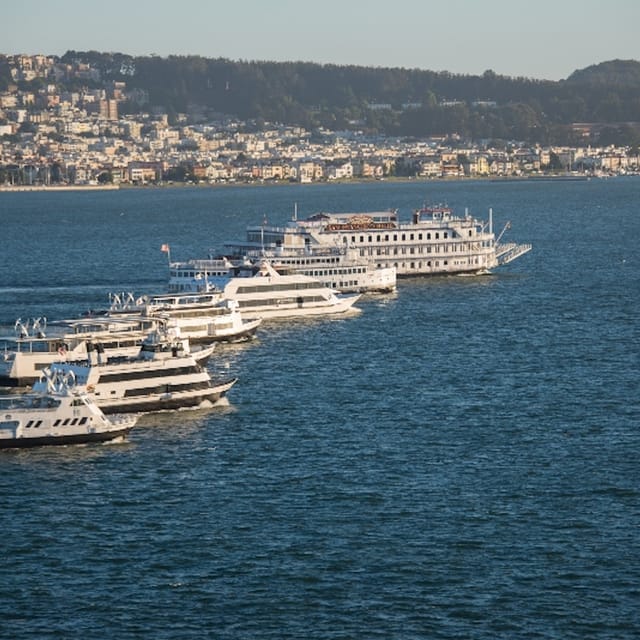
<point x="61" y="413"/>
<point x="262" y="292"/>
<point x="36" y="345"/>
<point x="202" y="317"/>
<point x="164" y="375"/>
<point x="339" y="269"/>
<point x="435" y="242"/>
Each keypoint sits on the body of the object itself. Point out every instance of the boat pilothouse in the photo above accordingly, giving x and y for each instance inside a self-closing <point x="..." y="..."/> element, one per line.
<point x="435" y="241"/>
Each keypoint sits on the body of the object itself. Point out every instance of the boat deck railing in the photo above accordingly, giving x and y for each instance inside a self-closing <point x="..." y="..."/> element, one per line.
<point x="509" y="252"/>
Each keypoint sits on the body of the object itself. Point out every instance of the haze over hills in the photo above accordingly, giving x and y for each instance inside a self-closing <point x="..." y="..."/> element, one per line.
<point x="604" y="99"/>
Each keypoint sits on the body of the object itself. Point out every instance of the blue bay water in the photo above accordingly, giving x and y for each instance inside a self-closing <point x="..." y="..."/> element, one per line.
<point x="458" y="460"/>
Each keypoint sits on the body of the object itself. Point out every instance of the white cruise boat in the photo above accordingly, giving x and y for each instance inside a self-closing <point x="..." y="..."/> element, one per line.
<point x="337" y="268"/>
<point x="35" y="345"/>
<point x="262" y="292"/>
<point x="164" y="375"/>
<point x="203" y="317"/>
<point x="60" y="414"/>
<point x="434" y="242"/>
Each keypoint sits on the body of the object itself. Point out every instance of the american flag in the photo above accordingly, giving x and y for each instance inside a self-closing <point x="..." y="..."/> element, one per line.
<point x="164" y="248"/>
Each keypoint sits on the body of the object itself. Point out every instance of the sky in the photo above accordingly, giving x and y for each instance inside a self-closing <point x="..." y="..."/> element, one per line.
<point x="542" y="39"/>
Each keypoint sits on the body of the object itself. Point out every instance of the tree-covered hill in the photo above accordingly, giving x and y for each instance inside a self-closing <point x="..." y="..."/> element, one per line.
<point x="392" y="101"/>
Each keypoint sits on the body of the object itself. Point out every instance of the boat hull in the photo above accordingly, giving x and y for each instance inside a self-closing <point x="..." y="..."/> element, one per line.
<point x="247" y="333"/>
<point x="71" y="439"/>
<point x="294" y="310"/>
<point x="166" y="401"/>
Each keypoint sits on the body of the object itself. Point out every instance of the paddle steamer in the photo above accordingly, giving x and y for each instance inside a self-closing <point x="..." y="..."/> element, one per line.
<point x="434" y="242"/>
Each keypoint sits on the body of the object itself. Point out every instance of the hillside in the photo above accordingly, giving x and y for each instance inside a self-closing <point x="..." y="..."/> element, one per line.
<point x="390" y="101"/>
<point x="616" y="73"/>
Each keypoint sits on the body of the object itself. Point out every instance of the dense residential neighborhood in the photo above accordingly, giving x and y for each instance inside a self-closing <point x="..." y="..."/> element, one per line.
<point x="50" y="135"/>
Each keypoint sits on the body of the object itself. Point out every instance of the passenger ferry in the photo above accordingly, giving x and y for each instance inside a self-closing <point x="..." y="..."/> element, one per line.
<point x="338" y="268"/>
<point x="434" y="242"/>
<point x="164" y="375"/>
<point x="62" y="413"/>
<point x="202" y="317"/>
<point x="261" y="292"/>
<point x="35" y="345"/>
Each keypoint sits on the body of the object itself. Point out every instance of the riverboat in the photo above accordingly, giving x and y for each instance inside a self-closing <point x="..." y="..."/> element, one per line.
<point x="435" y="242"/>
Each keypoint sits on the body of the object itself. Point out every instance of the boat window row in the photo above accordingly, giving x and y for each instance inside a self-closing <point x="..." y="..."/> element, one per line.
<point x="118" y="344"/>
<point x="35" y="424"/>
<point x="69" y="421"/>
<point x="18" y="402"/>
<point x="297" y="286"/>
<point x="401" y="237"/>
<point x="333" y="272"/>
<point x="139" y="375"/>
<point x="36" y="346"/>
<point x="167" y="388"/>
<point x="438" y="248"/>
<point x="313" y="261"/>
<point x="403" y="266"/>
<point x="199" y="313"/>
<point x="179" y="273"/>
<point x="186" y="330"/>
<point x="283" y="301"/>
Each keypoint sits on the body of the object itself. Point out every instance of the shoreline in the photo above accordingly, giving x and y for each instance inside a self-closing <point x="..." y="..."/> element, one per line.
<point x="64" y="187"/>
<point x="178" y="185"/>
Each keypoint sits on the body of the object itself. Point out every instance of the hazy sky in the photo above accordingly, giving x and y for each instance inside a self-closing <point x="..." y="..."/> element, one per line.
<point x="533" y="38"/>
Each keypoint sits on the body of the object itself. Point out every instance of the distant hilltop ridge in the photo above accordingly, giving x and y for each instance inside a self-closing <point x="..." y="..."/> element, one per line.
<point x="603" y="98"/>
